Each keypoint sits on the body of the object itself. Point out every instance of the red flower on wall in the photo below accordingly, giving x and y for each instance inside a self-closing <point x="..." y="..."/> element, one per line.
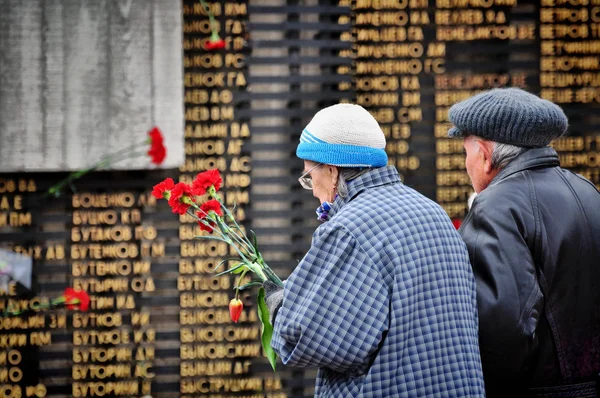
<point x="76" y="299"/>
<point x="215" y="42"/>
<point x="215" y="45"/>
<point x="155" y="135"/>
<point x="71" y="298"/>
<point x="157" y="151"/>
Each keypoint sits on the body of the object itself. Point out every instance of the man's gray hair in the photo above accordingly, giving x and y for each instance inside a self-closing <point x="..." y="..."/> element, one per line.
<point x="347" y="174"/>
<point x="503" y="154"/>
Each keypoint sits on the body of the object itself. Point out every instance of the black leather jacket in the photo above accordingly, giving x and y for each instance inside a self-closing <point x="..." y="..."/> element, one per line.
<point x="534" y="241"/>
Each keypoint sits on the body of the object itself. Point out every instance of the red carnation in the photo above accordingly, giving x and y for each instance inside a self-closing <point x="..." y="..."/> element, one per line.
<point x="215" y="42"/>
<point x="155" y="135"/>
<point x="181" y="199"/>
<point x="205" y="180"/>
<point x="208" y="228"/>
<point x="213" y="205"/>
<point x="157" y="151"/>
<point x="215" y="45"/>
<point x="158" y="154"/>
<point x="205" y="208"/>
<point x="163" y="189"/>
<point x="76" y="298"/>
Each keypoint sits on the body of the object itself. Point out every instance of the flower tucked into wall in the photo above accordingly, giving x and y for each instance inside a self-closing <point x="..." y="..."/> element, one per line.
<point x="76" y="299"/>
<point x="72" y="299"/>
<point x="214" y="42"/>
<point x="157" y="152"/>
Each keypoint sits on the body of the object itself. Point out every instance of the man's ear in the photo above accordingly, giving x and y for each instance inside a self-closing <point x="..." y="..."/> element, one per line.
<point x="486" y="148"/>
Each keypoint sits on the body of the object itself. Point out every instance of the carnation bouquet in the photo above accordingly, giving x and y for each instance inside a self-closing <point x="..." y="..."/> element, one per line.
<point x="218" y="220"/>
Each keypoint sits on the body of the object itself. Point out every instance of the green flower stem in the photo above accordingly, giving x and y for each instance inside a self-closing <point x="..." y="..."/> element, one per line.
<point x="147" y="141"/>
<point x="51" y="304"/>
<point x="56" y="188"/>
<point x="224" y="228"/>
<point x="130" y="155"/>
<point x="211" y="17"/>
<point x="268" y="271"/>
<point x="210" y="238"/>
<point x="214" y="36"/>
<point x="240" y="242"/>
<point x="240" y="279"/>
<point x="223" y="238"/>
<point x="104" y="162"/>
<point x="243" y="240"/>
<point x="191" y="213"/>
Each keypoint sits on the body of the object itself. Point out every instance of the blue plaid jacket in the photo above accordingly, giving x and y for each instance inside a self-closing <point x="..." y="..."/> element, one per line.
<point x="383" y="303"/>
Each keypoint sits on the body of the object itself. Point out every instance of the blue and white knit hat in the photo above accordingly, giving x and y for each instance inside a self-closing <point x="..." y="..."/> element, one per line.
<point x="343" y="135"/>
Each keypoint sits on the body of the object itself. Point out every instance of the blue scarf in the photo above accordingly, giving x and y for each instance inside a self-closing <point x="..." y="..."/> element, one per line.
<point x="323" y="211"/>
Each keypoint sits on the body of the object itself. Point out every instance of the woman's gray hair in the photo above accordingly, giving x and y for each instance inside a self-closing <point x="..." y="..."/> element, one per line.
<point x="503" y="154"/>
<point x="347" y="174"/>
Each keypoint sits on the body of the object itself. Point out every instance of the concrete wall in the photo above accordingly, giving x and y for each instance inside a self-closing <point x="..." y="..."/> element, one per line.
<point x="83" y="79"/>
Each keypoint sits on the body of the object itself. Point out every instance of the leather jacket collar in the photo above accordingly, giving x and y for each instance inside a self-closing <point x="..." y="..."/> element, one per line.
<point x="531" y="159"/>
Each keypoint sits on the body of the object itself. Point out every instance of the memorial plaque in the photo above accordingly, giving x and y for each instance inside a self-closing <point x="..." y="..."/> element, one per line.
<point x="158" y="322"/>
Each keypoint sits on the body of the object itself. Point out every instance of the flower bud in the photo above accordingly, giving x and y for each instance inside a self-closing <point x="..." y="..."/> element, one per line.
<point x="235" y="309"/>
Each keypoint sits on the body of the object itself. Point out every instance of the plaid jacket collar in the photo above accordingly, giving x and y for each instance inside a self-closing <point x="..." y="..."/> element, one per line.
<point x="374" y="178"/>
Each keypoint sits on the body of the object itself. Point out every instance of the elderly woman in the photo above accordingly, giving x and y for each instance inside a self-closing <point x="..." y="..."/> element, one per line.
<point x="383" y="303"/>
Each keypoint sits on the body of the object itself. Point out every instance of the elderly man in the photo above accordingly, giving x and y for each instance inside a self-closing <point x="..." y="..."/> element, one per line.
<point x="383" y="303"/>
<point x="533" y="235"/>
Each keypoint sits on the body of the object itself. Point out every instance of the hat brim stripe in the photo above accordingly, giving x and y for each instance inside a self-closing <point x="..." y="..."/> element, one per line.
<point x="308" y="137"/>
<point x="342" y="155"/>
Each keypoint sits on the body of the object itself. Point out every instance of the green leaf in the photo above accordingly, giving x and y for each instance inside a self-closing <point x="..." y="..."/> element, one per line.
<point x="239" y="270"/>
<point x="249" y="285"/>
<point x="267" y="329"/>
<point x="223" y="262"/>
<point x="254" y="241"/>
<point x="233" y="270"/>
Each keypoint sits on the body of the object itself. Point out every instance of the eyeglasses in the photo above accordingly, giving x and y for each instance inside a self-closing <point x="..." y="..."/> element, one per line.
<point x="306" y="180"/>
